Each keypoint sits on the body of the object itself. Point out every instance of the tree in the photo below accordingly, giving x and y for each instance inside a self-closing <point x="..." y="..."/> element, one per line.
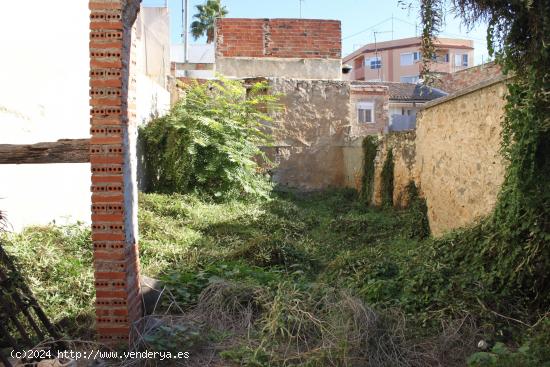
<point x="206" y="16"/>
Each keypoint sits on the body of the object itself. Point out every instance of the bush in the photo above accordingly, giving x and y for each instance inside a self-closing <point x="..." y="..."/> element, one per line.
<point x="535" y="352"/>
<point x="210" y="142"/>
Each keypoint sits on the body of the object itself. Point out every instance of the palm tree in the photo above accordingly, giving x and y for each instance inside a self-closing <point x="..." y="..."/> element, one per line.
<point x="207" y="14"/>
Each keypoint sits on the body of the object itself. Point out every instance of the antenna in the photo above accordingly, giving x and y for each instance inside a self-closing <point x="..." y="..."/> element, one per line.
<point x="185" y="33"/>
<point x="376" y="49"/>
<point x="300" y="1"/>
<point x="392" y="26"/>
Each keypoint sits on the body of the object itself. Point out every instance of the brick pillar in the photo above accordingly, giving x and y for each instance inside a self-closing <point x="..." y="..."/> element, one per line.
<point x="112" y="157"/>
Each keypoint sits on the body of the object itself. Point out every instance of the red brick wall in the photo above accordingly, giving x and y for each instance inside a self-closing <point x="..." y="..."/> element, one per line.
<point x="285" y="38"/>
<point x="456" y="81"/>
<point x="116" y="260"/>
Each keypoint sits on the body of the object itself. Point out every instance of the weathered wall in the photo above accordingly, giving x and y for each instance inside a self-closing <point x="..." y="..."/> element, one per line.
<point x="44" y="97"/>
<point x="244" y="67"/>
<point x="403" y="148"/>
<point x="152" y="39"/>
<point x="286" y="38"/>
<point x="377" y="94"/>
<point x="459" y="169"/>
<point x="292" y="48"/>
<point x="404" y="158"/>
<point x="309" y="132"/>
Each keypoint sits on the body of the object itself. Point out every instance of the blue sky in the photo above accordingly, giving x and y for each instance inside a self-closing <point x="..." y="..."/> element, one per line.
<point x="360" y="19"/>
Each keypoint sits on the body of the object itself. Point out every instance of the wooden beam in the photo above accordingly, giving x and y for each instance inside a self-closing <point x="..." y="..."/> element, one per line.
<point x="61" y="151"/>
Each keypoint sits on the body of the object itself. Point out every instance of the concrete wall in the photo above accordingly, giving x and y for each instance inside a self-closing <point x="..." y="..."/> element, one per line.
<point x="244" y="67"/>
<point x="292" y="48"/>
<point x="309" y="132"/>
<point x="44" y="97"/>
<point x="459" y="169"/>
<point x="152" y="38"/>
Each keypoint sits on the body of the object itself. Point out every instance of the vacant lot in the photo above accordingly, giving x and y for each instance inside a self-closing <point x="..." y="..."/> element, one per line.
<point x="310" y="280"/>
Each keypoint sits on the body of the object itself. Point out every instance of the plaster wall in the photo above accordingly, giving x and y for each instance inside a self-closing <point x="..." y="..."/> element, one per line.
<point x="243" y="67"/>
<point x="309" y="132"/>
<point x="459" y="168"/>
<point x="44" y="82"/>
<point x="152" y="62"/>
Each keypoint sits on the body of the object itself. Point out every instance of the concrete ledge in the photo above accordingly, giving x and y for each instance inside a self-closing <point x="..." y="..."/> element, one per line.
<point x="244" y="67"/>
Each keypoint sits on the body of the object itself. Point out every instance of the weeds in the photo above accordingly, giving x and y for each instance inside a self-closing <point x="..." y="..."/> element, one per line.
<point x="312" y="280"/>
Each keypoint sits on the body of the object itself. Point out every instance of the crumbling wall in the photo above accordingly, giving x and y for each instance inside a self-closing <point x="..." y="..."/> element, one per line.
<point x="459" y="168"/>
<point x="379" y="96"/>
<point x="309" y="132"/>
<point x="403" y="148"/>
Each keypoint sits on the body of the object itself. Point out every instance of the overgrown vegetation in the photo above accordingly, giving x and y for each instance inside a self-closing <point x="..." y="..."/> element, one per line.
<point x="210" y="142"/>
<point x="370" y="146"/>
<point x="311" y="280"/>
<point x="324" y="280"/>
<point x="386" y="176"/>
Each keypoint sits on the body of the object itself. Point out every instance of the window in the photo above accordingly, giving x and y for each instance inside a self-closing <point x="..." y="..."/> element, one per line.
<point x="365" y="113"/>
<point x="409" y="58"/>
<point x="374" y="62"/>
<point x="409" y="79"/>
<point x="461" y="60"/>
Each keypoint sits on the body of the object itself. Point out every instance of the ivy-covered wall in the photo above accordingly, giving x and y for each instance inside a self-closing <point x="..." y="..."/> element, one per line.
<point x="459" y="168"/>
<point x="403" y="149"/>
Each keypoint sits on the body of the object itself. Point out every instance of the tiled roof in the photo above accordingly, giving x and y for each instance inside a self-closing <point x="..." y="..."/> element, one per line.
<point x="407" y="91"/>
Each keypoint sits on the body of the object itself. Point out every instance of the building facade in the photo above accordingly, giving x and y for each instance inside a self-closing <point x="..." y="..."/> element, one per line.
<point x="401" y="60"/>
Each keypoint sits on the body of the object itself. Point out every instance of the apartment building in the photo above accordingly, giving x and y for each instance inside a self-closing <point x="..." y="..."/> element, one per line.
<point x="401" y="60"/>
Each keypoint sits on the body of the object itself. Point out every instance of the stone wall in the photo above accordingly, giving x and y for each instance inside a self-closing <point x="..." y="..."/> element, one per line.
<point x="379" y="96"/>
<point x="459" y="169"/>
<point x="403" y="148"/>
<point x="309" y="132"/>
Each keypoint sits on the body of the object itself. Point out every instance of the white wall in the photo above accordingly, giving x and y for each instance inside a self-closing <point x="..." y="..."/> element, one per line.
<point x="153" y="63"/>
<point x="198" y="54"/>
<point x="44" y="97"/>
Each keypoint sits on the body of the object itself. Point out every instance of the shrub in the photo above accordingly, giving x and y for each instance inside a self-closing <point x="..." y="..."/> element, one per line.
<point x="210" y="142"/>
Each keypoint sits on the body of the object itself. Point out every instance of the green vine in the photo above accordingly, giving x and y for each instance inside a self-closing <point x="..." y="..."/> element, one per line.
<point x="503" y="263"/>
<point x="370" y="148"/>
<point x="387" y="180"/>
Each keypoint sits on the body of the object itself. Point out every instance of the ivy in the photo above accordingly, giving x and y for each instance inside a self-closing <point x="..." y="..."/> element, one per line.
<point x="370" y="149"/>
<point x="503" y="262"/>
<point x="387" y="180"/>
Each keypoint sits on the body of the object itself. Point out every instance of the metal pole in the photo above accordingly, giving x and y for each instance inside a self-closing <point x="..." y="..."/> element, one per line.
<point x="186" y="31"/>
